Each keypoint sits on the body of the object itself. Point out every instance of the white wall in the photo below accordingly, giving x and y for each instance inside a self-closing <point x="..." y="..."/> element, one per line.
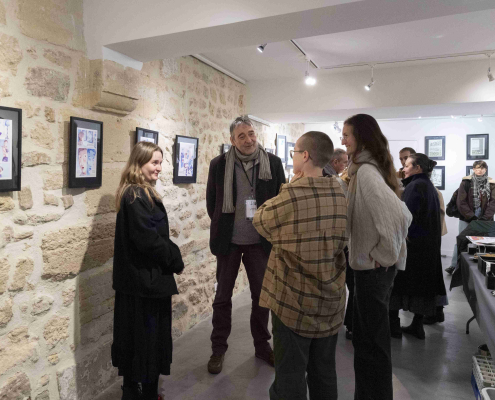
<point x="455" y="131"/>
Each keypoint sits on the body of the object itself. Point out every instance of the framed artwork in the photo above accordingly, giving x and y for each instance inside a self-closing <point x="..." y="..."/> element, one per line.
<point x="226" y="147"/>
<point x="10" y="145"/>
<point x="85" y="153"/>
<point x="281" y="147"/>
<point x="290" y="146"/>
<point x="146" y="135"/>
<point x="469" y="170"/>
<point x="477" y="147"/>
<point x="438" y="177"/>
<point x="186" y="159"/>
<point x="435" y="147"/>
<point x="270" y="150"/>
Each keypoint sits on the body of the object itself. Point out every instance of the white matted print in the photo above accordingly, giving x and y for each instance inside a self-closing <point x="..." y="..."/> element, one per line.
<point x="5" y="149"/>
<point x="435" y="148"/>
<point x="186" y="159"/>
<point x="86" y="153"/>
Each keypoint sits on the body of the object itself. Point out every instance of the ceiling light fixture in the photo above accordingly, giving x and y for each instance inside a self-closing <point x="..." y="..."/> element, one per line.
<point x="480" y="119"/>
<point x="491" y="78"/>
<point x="308" y="79"/>
<point x="372" y="82"/>
<point x="261" y="47"/>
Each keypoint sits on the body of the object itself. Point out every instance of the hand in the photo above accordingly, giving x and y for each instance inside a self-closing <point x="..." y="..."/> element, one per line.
<point x="377" y="264"/>
<point x="297" y="176"/>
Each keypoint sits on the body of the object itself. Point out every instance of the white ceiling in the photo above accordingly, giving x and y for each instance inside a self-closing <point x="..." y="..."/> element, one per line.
<point x="332" y="32"/>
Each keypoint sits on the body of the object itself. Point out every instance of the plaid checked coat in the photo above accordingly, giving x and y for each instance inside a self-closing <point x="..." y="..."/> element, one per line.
<point x="304" y="282"/>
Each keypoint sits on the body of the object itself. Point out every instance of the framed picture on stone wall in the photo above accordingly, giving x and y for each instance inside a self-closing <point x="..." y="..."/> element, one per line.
<point x="438" y="177"/>
<point x="281" y="147"/>
<point x="10" y="146"/>
<point x="435" y="147"/>
<point x="477" y="147"/>
<point x="85" y="153"/>
<point x="185" y="159"/>
<point x="146" y="135"/>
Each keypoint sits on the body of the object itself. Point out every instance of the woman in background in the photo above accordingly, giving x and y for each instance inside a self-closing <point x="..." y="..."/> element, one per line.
<point x="377" y="224"/>
<point x="144" y="263"/>
<point x="416" y="288"/>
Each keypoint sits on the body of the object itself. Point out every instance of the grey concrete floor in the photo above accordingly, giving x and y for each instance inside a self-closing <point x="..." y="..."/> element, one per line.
<point x="436" y="368"/>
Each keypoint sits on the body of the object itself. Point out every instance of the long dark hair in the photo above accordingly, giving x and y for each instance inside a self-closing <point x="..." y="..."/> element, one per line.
<point x="369" y="136"/>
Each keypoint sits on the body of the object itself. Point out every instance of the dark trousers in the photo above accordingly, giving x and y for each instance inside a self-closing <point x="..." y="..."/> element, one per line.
<point x="302" y="363"/>
<point x="349" y="281"/>
<point x="371" y="334"/>
<point x="254" y="259"/>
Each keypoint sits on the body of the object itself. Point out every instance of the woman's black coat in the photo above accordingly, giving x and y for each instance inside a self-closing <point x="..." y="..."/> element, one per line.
<point x="423" y="274"/>
<point x="145" y="258"/>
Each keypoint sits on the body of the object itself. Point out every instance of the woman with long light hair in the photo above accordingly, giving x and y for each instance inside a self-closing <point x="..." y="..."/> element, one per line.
<point x="144" y="262"/>
<point x="377" y="223"/>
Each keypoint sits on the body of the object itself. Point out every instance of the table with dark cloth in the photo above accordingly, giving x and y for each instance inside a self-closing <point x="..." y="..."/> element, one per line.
<point x="480" y="299"/>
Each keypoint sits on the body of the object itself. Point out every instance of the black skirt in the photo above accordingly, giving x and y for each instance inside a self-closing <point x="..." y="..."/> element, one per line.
<point x="142" y="337"/>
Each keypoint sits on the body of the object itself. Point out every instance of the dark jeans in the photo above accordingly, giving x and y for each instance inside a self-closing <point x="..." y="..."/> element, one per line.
<point x="371" y="334"/>
<point x="255" y="260"/>
<point x="294" y="357"/>
<point x="349" y="281"/>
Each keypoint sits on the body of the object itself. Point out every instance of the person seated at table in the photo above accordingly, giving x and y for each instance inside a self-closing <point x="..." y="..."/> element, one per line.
<point x="475" y="201"/>
<point x="415" y="288"/>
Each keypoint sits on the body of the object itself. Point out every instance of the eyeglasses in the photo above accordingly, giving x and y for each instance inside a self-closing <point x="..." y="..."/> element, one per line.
<point x="291" y="152"/>
<point x="344" y="137"/>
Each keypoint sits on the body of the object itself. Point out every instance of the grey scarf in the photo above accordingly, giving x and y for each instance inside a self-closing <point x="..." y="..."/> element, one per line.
<point x="228" y="188"/>
<point x="481" y="188"/>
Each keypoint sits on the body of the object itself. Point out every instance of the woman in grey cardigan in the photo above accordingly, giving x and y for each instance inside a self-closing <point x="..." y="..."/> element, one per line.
<point x="378" y="222"/>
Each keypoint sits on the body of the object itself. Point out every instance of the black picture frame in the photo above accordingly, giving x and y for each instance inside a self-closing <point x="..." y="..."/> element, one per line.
<point x="182" y="162"/>
<point x="282" y="147"/>
<point x="290" y="146"/>
<point x="225" y="148"/>
<point x="438" y="174"/>
<point x="433" y="149"/>
<point x="480" y="151"/>
<point x="86" y="137"/>
<point x="469" y="170"/>
<point x="11" y="141"/>
<point x="146" y="135"/>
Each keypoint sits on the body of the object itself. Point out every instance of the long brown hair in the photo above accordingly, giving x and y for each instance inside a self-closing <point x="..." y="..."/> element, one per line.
<point x="369" y="136"/>
<point x="132" y="177"/>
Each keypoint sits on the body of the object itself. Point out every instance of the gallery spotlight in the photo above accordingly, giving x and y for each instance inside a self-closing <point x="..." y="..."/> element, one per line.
<point x="336" y="127"/>
<point x="261" y="48"/>
<point x="372" y="82"/>
<point x="308" y="79"/>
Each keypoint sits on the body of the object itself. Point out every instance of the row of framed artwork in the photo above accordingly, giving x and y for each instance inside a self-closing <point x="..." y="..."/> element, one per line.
<point x="476" y="147"/>
<point x="85" y="152"/>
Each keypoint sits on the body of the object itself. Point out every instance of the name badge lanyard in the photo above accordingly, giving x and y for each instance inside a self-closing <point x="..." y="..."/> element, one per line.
<point x="251" y="200"/>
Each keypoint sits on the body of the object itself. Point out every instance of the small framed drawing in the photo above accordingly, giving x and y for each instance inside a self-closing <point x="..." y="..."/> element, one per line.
<point x="269" y="150"/>
<point x="281" y="147"/>
<point x="290" y="146"/>
<point x="477" y="147"/>
<point x="186" y="159"/>
<point x="146" y="135"/>
<point x="469" y="170"/>
<point x="85" y="153"/>
<point x="438" y="177"/>
<point x="10" y="145"/>
<point x="226" y="147"/>
<point x="435" y="147"/>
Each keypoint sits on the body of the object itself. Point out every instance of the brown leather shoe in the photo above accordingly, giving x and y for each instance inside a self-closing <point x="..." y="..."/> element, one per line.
<point x="216" y="363"/>
<point x="267" y="356"/>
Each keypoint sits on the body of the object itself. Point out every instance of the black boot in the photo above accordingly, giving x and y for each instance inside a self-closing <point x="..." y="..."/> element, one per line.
<point x="440" y="314"/>
<point x="437" y="317"/>
<point x="131" y="391"/>
<point x="416" y="327"/>
<point x="150" y="390"/>
<point x="395" y="331"/>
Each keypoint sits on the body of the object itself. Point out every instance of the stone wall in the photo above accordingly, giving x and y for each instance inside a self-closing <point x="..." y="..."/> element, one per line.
<point x="56" y="243"/>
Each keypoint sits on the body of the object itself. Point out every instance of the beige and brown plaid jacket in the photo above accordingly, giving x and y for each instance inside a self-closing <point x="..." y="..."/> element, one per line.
<point x="304" y="281"/>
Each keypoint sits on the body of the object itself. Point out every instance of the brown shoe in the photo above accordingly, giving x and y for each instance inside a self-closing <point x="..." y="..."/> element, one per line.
<point x="267" y="356"/>
<point x="216" y="363"/>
